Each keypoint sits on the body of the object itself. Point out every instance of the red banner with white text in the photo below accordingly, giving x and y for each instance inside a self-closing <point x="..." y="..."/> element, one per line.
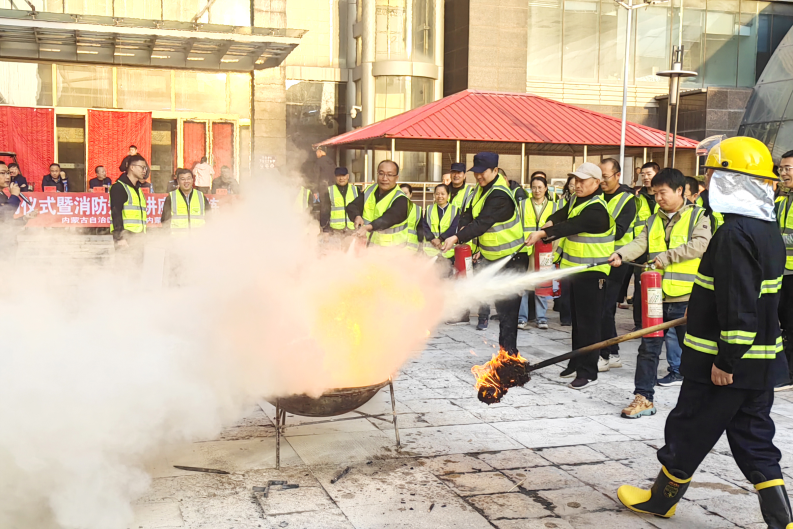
<point x="92" y="210"/>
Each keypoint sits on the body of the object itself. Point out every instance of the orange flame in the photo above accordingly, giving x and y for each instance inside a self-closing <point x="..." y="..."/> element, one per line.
<point x="502" y="372"/>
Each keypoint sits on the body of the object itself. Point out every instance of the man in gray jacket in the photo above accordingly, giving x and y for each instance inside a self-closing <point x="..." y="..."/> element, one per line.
<point x="674" y="240"/>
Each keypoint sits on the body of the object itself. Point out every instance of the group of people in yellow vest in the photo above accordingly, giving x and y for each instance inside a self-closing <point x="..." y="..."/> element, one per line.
<point x="185" y="208"/>
<point x="724" y="263"/>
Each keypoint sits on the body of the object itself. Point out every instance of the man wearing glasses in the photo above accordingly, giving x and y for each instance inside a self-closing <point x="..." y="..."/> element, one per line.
<point x="380" y="213"/>
<point x="9" y="203"/>
<point x="128" y="203"/>
<point x="785" y="221"/>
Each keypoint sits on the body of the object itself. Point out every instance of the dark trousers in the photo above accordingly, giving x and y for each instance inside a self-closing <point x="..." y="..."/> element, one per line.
<point x="509" y="308"/>
<point x="704" y="411"/>
<point x="608" y="326"/>
<point x="626" y="282"/>
<point x="484" y="310"/>
<point x="786" y="319"/>
<point x="587" y="290"/>
<point x="646" y="376"/>
<point x="637" y="296"/>
<point x="562" y="303"/>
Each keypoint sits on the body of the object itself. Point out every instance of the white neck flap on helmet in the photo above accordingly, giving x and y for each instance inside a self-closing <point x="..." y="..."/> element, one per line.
<point x="741" y="194"/>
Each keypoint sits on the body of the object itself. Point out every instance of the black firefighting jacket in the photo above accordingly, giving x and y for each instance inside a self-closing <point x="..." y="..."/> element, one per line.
<point x="732" y="313"/>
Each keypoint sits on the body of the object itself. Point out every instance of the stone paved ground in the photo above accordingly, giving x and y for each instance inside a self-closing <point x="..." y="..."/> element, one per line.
<point x="545" y="457"/>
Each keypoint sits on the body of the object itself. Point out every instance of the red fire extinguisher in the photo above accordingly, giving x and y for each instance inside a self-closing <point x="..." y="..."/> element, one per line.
<point x="543" y="260"/>
<point x="463" y="261"/>
<point x="652" y="301"/>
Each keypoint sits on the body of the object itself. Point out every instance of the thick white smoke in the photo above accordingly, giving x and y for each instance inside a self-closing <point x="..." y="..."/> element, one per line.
<point x="102" y="367"/>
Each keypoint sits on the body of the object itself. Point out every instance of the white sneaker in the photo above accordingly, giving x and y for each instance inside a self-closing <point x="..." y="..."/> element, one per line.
<point x="542" y="325"/>
<point x="615" y="361"/>
<point x="524" y="326"/>
<point x="603" y="364"/>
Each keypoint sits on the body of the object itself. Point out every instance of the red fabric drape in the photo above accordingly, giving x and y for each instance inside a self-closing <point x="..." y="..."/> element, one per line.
<point x="195" y="143"/>
<point x="222" y="146"/>
<point x="111" y="133"/>
<point x="30" y="133"/>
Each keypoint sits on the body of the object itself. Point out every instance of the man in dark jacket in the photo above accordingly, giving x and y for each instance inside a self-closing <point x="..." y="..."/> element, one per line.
<point x="56" y="179"/>
<point x="732" y="353"/>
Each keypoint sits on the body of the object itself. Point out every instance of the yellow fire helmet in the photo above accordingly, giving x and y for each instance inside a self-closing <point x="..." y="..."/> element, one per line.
<point x="744" y="155"/>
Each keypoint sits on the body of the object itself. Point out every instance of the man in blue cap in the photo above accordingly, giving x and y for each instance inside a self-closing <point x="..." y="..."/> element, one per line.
<point x="492" y="218"/>
<point x="332" y="215"/>
<point x="459" y="193"/>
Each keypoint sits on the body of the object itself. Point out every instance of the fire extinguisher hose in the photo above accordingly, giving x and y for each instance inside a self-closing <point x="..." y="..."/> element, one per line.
<point x="607" y="343"/>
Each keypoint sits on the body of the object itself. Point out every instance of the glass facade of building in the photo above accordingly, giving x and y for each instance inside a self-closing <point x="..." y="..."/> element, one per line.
<point x="769" y="113"/>
<point x="727" y="42"/>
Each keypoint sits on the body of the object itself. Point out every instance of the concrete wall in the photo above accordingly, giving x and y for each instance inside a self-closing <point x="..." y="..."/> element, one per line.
<point x="498" y="37"/>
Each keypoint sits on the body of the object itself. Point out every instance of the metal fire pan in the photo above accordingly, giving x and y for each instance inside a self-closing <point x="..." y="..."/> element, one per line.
<point x="333" y="402"/>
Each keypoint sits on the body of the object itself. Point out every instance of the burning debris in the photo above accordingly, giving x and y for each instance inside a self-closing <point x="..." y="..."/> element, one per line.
<point x="502" y="372"/>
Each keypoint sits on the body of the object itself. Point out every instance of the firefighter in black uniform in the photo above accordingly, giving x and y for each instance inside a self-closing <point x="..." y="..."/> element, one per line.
<point x="732" y="354"/>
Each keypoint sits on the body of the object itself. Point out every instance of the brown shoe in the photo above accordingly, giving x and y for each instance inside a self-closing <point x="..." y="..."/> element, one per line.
<point x="638" y="408"/>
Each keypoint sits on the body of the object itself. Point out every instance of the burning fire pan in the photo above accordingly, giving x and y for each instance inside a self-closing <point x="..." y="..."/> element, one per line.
<point x="330" y="404"/>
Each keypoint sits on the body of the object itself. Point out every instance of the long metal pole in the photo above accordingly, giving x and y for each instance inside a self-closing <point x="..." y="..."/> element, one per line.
<point x="677" y="116"/>
<point x="668" y="124"/>
<point x="625" y="83"/>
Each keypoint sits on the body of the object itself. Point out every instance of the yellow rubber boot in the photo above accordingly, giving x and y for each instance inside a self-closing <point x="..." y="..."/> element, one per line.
<point x="774" y="502"/>
<point x="661" y="499"/>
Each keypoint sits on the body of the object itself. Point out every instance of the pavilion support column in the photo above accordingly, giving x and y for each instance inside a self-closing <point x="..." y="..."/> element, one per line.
<point x="457" y="153"/>
<point x="585" y="153"/>
<point x="366" y="166"/>
<point x="393" y="149"/>
<point x="522" y="163"/>
<point x="644" y="157"/>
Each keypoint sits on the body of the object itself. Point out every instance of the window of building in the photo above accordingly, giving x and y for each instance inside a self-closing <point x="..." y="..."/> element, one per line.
<point x="200" y="91"/>
<point x="390" y="96"/>
<point x="314" y="112"/>
<point x="88" y="7"/>
<point x="390" y="29"/>
<point x="545" y="39"/>
<point x="721" y="43"/>
<point x="581" y="40"/>
<point x="423" y="30"/>
<point x="150" y="9"/>
<point x="25" y="84"/>
<point x="141" y="89"/>
<point x="613" y="25"/>
<point x="240" y="92"/>
<point x="747" y="43"/>
<point x="184" y="10"/>
<point x="85" y="86"/>
<point x="652" y="43"/>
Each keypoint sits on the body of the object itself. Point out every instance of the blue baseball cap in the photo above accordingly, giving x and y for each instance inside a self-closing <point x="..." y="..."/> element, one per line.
<point x="484" y="160"/>
<point x="341" y="171"/>
<point x="458" y="167"/>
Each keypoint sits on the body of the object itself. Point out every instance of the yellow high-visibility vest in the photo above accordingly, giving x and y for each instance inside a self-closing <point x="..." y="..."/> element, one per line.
<point x="615" y="206"/>
<point x="532" y="223"/>
<point x="463" y="197"/>
<point x="678" y="278"/>
<point x="587" y="248"/>
<point x="503" y="238"/>
<point x="338" y="206"/>
<point x="414" y="217"/>
<point x="643" y="212"/>
<point x="133" y="213"/>
<point x="372" y="210"/>
<point x="785" y="226"/>
<point x="439" y="224"/>
<point x="303" y="198"/>
<point x="186" y="216"/>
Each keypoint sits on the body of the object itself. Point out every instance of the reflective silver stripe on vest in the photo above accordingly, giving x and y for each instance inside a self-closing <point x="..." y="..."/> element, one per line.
<point x="677" y="276"/>
<point x="501" y="247"/>
<point x="505" y="226"/>
<point x="582" y="260"/>
<point x="620" y="204"/>
<point x="133" y="221"/>
<point x="591" y="240"/>
<point x="390" y="231"/>
<point x="530" y="229"/>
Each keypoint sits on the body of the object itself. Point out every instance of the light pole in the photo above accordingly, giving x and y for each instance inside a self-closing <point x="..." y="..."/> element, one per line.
<point x="630" y="6"/>
<point x="674" y="76"/>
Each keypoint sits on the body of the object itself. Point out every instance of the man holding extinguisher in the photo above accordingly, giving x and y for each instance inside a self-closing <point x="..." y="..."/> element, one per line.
<point x="493" y="217"/>
<point x="622" y="208"/>
<point x="674" y="240"/>
<point x="587" y="232"/>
